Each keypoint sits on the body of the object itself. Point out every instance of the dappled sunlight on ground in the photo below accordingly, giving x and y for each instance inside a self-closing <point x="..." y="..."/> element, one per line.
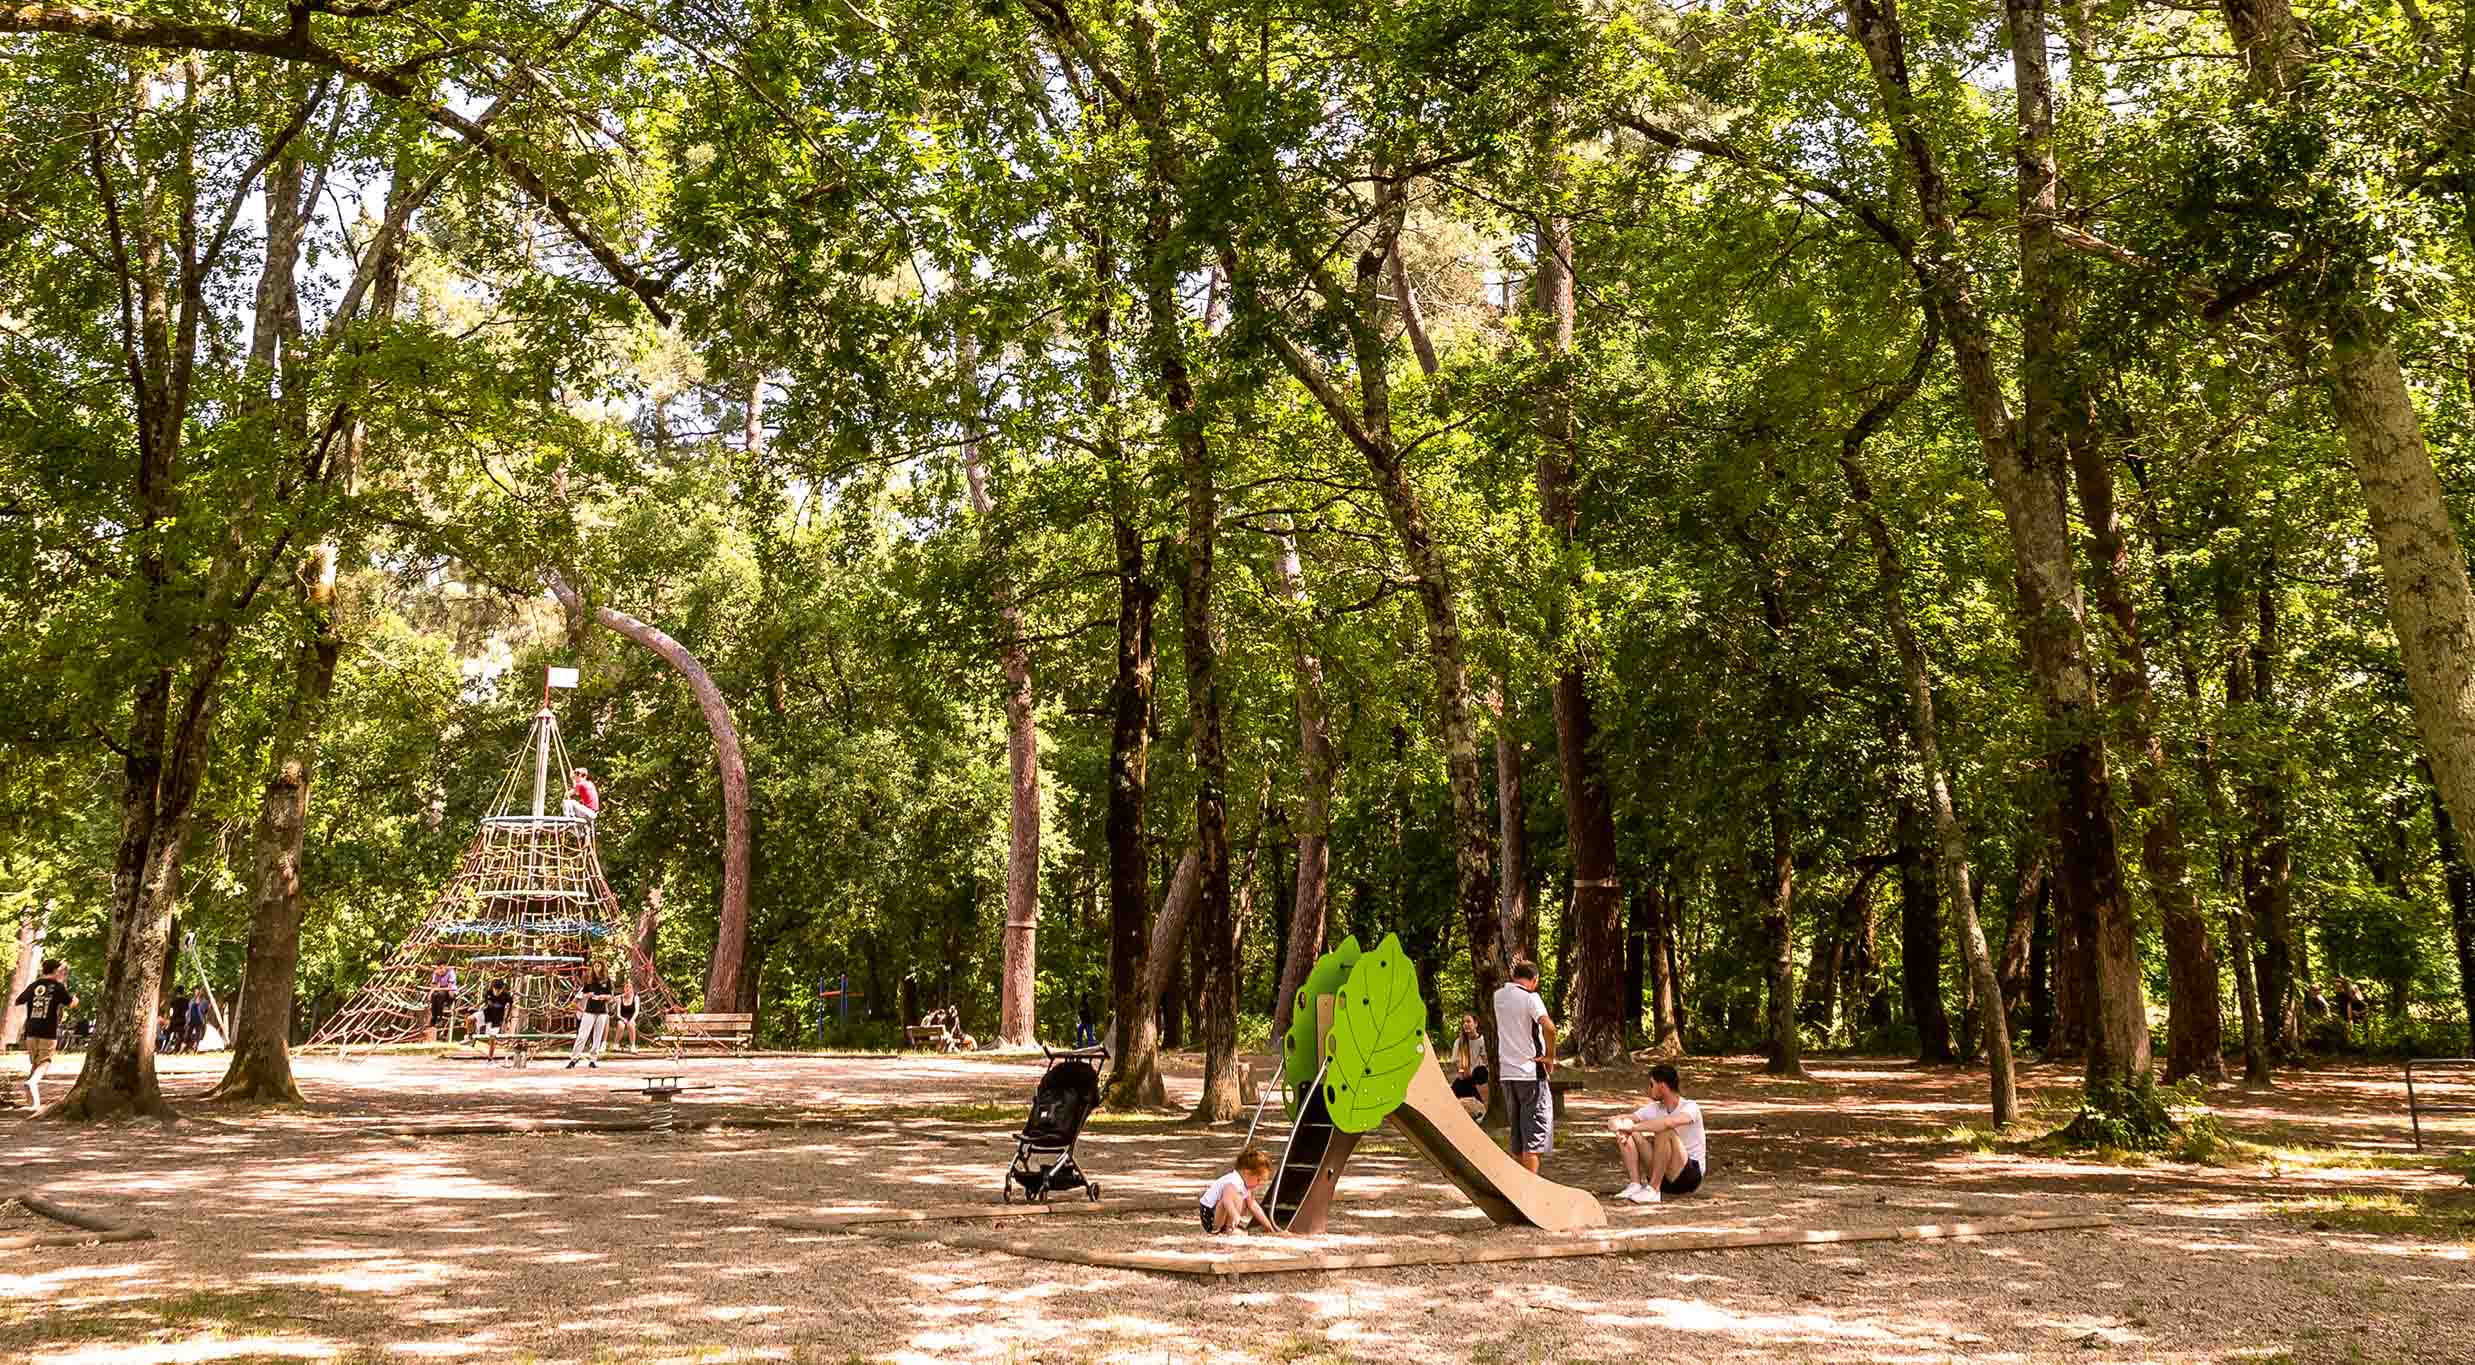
<point x="304" y="1233"/>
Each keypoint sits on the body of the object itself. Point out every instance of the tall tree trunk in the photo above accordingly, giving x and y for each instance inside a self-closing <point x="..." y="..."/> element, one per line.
<point x="2458" y="881"/>
<point x="1779" y="940"/>
<point x="1307" y="911"/>
<point x="1666" y="1032"/>
<point x="1017" y="1017"/>
<point x="1920" y="935"/>
<point x="1515" y="911"/>
<point x="1950" y="839"/>
<point x="2431" y="598"/>
<point x="727" y="981"/>
<point x="2027" y="479"/>
<point x="2195" y="1030"/>
<point x="2031" y="891"/>
<point x="1597" y="906"/>
<point x="648" y="934"/>
<point x="1854" y="933"/>
<point x="2043" y="1023"/>
<point x="2271" y="887"/>
<point x="1367" y="426"/>
<point x="30" y="926"/>
<point x="261" y="1067"/>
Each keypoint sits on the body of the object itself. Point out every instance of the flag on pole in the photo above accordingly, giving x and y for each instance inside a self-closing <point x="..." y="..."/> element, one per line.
<point x="562" y="677"/>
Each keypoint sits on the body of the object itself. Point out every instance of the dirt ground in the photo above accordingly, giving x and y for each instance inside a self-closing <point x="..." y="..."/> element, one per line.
<point x="300" y="1234"/>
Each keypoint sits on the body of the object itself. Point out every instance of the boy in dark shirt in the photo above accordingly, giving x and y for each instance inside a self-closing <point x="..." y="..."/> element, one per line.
<point x="45" y="1000"/>
<point x="494" y="1003"/>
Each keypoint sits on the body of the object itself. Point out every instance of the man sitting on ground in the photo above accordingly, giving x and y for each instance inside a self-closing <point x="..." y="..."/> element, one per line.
<point x="1662" y="1142"/>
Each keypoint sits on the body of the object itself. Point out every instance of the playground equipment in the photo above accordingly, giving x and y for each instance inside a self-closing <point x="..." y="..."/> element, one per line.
<point x="528" y="905"/>
<point x="1356" y="1055"/>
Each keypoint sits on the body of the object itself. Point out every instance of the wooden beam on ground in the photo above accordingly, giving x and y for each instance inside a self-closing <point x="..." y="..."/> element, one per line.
<point x="1619" y="1245"/>
<point x="91" y="1228"/>
<point x="939" y="1213"/>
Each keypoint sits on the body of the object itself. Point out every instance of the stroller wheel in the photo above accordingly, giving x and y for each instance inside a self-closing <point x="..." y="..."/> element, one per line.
<point x="1093" y="1189"/>
<point x="1007" y="1189"/>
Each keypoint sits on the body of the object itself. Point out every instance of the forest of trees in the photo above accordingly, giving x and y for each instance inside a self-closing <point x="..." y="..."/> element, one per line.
<point x="1931" y="530"/>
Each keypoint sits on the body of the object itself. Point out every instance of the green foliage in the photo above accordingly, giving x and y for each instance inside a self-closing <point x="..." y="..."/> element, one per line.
<point x="2139" y="1117"/>
<point x="1379" y="1039"/>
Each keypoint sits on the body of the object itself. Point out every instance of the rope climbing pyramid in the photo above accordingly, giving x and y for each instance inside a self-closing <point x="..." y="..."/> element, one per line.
<point x="528" y="906"/>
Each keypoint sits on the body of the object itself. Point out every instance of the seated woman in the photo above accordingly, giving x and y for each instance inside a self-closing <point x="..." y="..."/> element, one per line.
<point x="1469" y="1062"/>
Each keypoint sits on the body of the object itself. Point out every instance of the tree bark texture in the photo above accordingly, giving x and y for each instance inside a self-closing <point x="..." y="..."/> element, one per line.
<point x="1306" y="912"/>
<point x="2268" y="876"/>
<point x="2195" y="1030"/>
<point x="1017" y="1007"/>
<point x="1920" y="935"/>
<point x="2423" y="562"/>
<point x="2027" y="479"/>
<point x="1924" y="731"/>
<point x="1597" y="905"/>
<point x="1516" y="912"/>
<point x="2458" y="880"/>
<point x="30" y="928"/>
<point x="1367" y="426"/>
<point x="729" y="981"/>
<point x="261" y="1066"/>
<point x="1778" y="892"/>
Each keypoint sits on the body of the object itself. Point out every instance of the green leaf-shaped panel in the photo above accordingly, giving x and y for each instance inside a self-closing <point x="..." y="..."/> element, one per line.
<point x="1379" y="1039"/>
<point x="1298" y="1050"/>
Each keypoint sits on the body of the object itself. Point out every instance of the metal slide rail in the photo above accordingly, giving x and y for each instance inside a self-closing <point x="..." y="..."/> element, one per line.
<point x="2418" y="1103"/>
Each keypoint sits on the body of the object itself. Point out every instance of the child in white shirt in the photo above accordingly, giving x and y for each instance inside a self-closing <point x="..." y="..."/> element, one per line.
<point x="1229" y="1201"/>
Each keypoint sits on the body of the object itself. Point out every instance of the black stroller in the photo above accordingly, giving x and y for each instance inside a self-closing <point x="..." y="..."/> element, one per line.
<point x="1044" y="1150"/>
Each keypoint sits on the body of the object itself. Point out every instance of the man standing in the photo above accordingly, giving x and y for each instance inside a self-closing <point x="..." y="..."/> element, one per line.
<point x="1525" y="1046"/>
<point x="1663" y="1143"/>
<point x="45" y="999"/>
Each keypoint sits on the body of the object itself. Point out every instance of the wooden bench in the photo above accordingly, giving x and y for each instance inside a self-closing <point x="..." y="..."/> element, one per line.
<point x="934" y="1036"/>
<point x="1556" y="1088"/>
<point x="732" y="1031"/>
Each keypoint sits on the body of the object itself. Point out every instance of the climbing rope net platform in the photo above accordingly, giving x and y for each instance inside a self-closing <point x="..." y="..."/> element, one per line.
<point x="527" y="906"/>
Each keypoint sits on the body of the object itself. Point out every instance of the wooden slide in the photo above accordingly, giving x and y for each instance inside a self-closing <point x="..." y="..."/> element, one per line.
<point x="1432" y="1118"/>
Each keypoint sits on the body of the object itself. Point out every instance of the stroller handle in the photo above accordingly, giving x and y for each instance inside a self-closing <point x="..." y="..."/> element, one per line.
<point x="1097" y="1052"/>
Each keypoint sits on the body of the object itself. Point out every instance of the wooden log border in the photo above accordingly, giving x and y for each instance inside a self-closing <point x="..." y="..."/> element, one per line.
<point x="1221" y="1265"/>
<point x="91" y="1229"/>
<point x="941" y="1213"/>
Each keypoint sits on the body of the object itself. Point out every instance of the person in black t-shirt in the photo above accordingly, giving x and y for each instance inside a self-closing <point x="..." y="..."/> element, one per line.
<point x="45" y="1000"/>
<point x="592" y="1019"/>
<point x="495" y="1003"/>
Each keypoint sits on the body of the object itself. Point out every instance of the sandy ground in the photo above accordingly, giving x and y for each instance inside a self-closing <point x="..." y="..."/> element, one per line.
<point x="296" y="1234"/>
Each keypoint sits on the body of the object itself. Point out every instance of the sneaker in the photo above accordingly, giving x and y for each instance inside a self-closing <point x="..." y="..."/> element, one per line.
<point x="571" y="1063"/>
<point x="1648" y="1194"/>
<point x="1629" y="1191"/>
<point x="594" y="1065"/>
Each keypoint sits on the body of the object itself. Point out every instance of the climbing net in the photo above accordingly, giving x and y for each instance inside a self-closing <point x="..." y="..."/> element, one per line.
<point x="528" y="906"/>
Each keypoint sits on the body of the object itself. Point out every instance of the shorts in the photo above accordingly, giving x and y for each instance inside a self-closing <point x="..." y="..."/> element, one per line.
<point x="493" y="1025"/>
<point x="439" y="1002"/>
<point x="40" y="1050"/>
<point x="1533" y="1123"/>
<point x="1683" y="1182"/>
<point x="1468" y="1087"/>
<point x="1209" y="1213"/>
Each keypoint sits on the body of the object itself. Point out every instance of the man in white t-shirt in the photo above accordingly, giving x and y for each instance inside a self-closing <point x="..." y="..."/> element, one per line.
<point x="1663" y="1144"/>
<point x="1525" y="1057"/>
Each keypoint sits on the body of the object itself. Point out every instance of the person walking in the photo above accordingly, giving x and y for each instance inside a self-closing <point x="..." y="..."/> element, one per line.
<point x="592" y="1019"/>
<point x="45" y="999"/>
<point x="1525" y="1052"/>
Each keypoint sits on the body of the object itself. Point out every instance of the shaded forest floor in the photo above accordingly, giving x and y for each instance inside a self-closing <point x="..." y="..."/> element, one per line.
<point x="299" y="1234"/>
